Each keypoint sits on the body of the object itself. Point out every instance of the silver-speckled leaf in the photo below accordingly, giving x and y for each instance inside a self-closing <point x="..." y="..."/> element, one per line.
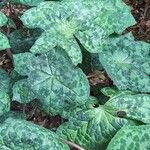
<point x="127" y="62"/>
<point x="89" y="21"/>
<point x="22" y="92"/>
<point x="131" y="137"/>
<point x="136" y="107"/>
<point x="93" y="128"/>
<point x="54" y="80"/>
<point x="17" y="134"/>
<point x="4" y="81"/>
<point x="4" y="103"/>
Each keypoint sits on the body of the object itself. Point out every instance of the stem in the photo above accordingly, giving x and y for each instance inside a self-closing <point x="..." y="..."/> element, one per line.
<point x="73" y="145"/>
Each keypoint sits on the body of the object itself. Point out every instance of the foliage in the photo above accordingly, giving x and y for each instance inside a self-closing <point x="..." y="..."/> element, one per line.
<point x="51" y="49"/>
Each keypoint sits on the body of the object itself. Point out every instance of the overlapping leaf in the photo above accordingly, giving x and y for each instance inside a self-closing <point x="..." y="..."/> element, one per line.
<point x="3" y="39"/>
<point x="54" y="79"/>
<point x="89" y="21"/>
<point x="131" y="137"/>
<point x="93" y="128"/>
<point x="22" y="135"/>
<point x="127" y="62"/>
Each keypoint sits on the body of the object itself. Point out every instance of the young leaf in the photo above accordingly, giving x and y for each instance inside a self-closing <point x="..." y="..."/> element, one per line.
<point x="131" y="137"/>
<point x="127" y="62"/>
<point x="93" y="128"/>
<point x="54" y="80"/>
<point x="89" y="21"/>
<point x="22" y="135"/>
<point x="3" y="19"/>
<point x="4" y="103"/>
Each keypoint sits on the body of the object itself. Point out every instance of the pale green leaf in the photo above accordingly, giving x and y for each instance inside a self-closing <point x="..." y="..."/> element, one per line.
<point x="4" y="43"/>
<point x="3" y="19"/>
<point x="17" y="134"/>
<point x="131" y="137"/>
<point x="94" y="127"/>
<point x="127" y="62"/>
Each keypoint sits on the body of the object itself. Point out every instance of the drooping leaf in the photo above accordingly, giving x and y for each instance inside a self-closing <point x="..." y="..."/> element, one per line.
<point x="22" y="92"/>
<point x="23" y="39"/>
<point x="4" y="103"/>
<point x="131" y="137"/>
<point x="136" y="107"/>
<point x="22" y="135"/>
<point x="54" y="80"/>
<point x="4" y="81"/>
<point x="89" y="21"/>
<point x="93" y="128"/>
<point x="127" y="62"/>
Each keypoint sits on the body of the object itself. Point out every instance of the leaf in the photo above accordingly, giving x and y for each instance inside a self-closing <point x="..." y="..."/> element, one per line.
<point x="24" y="135"/>
<point x="23" y="39"/>
<point x="74" y="19"/>
<point x="3" y="19"/>
<point x="93" y="128"/>
<point x="136" y="107"/>
<point x="131" y="137"/>
<point x="54" y="80"/>
<point x="22" y="92"/>
<point x="4" y="103"/>
<point x="4" y="81"/>
<point x="127" y="62"/>
<point x="4" y="44"/>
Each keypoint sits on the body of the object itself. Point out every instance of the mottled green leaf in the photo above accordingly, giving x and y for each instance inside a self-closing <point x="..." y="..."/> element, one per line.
<point x="22" y="92"/>
<point x="4" y="81"/>
<point x="54" y="80"/>
<point x="89" y="21"/>
<point x="131" y="137"/>
<point x="127" y="62"/>
<point x="17" y="134"/>
<point x="93" y="128"/>
<point x="136" y="107"/>
<point x="4" y="103"/>
<point x="23" y="39"/>
<point x="3" y="19"/>
<point x="4" y="43"/>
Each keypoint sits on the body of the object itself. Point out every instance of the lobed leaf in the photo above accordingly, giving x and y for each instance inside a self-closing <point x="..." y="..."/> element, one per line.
<point x="93" y="128"/>
<point x="131" y="137"/>
<point x="23" y="135"/>
<point x="127" y="62"/>
<point x="91" y="22"/>
<point x="54" y="80"/>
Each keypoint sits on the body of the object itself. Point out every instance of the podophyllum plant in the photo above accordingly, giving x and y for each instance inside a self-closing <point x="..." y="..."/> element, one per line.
<point x="48" y="55"/>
